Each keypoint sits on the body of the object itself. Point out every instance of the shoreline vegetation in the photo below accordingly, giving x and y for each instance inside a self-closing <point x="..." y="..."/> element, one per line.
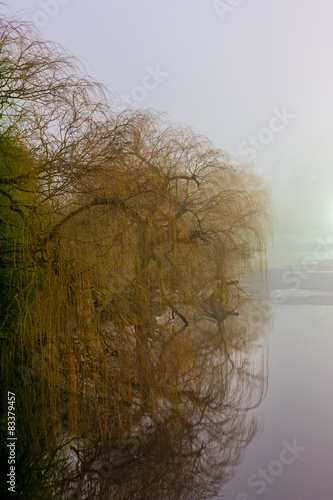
<point x="124" y="331"/>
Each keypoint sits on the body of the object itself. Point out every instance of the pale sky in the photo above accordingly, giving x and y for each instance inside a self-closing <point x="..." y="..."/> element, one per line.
<point x="254" y="76"/>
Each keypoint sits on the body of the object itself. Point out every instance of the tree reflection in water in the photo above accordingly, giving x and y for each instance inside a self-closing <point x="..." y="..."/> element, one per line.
<point x="184" y="449"/>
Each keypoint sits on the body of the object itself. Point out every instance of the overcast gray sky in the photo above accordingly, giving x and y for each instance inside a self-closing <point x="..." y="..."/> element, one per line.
<point x="254" y="76"/>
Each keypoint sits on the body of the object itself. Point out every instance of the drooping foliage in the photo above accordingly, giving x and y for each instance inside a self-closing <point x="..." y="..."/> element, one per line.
<point x="122" y="240"/>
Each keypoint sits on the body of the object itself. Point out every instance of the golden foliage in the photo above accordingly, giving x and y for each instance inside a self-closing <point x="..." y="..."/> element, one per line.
<point x="123" y="233"/>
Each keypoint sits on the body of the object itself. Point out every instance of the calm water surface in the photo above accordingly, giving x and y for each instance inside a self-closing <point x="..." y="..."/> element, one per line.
<point x="292" y="459"/>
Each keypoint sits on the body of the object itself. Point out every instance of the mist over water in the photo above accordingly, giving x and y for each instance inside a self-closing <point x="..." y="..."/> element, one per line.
<point x="298" y="406"/>
<point x="151" y="355"/>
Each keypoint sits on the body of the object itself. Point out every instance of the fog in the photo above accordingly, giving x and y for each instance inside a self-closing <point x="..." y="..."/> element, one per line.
<point x="256" y="79"/>
<point x="226" y="69"/>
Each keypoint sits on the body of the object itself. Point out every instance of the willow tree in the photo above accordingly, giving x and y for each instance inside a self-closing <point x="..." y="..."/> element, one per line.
<point x="128" y="236"/>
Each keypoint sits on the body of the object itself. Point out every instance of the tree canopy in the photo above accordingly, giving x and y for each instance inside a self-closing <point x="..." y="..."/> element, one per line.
<point x="123" y="237"/>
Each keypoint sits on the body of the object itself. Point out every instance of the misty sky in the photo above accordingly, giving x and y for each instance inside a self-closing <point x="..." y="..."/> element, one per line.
<point x="254" y="76"/>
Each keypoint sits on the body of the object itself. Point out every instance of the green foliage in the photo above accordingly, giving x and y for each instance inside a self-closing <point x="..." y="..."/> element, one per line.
<point x="17" y="206"/>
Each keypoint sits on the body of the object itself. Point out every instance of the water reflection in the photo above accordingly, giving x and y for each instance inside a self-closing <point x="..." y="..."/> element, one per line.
<point x="183" y="447"/>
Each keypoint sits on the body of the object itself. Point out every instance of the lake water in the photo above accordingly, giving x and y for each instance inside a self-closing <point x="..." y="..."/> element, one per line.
<point x="292" y="459"/>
